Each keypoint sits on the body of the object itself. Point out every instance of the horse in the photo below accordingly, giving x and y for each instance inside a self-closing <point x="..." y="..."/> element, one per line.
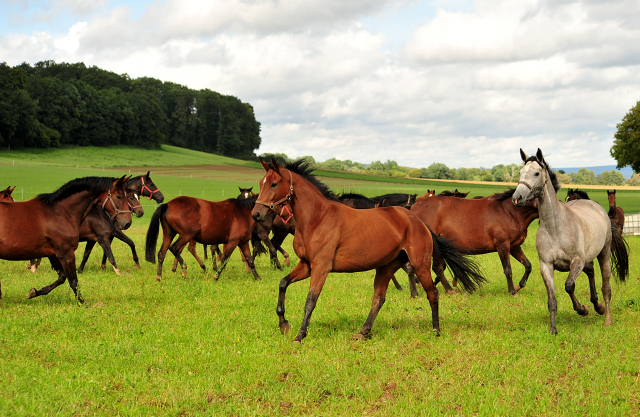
<point x="48" y="225"/>
<point x="226" y="222"/>
<point x="478" y="226"/>
<point x="358" y="201"/>
<point x="616" y="214"/>
<point x="5" y="195"/>
<point x="576" y="195"/>
<point x="396" y="199"/>
<point x="570" y="237"/>
<point x="430" y="193"/>
<point x="331" y="237"/>
<point x="456" y="193"/>
<point x="99" y="228"/>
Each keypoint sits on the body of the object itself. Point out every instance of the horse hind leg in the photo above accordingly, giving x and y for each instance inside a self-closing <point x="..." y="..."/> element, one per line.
<point x="438" y="268"/>
<point x="577" y="265"/>
<point x="604" y="259"/>
<point x="246" y="252"/>
<point x="300" y="271"/>
<point x="589" y="271"/>
<point x="380" y="285"/>
<point x="412" y="279"/>
<point x="503" y="253"/>
<point x="518" y="254"/>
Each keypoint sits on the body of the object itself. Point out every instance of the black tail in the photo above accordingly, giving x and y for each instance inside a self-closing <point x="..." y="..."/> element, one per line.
<point x="619" y="254"/>
<point x="258" y="247"/>
<point x="465" y="270"/>
<point x="152" y="234"/>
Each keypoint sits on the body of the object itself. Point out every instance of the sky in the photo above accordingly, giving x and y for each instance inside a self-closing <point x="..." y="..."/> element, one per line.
<point x="464" y="83"/>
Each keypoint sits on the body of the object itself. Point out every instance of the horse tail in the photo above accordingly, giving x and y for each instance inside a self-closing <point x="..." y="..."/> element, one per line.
<point x="258" y="247"/>
<point x="152" y="234"/>
<point x="619" y="254"/>
<point x="465" y="270"/>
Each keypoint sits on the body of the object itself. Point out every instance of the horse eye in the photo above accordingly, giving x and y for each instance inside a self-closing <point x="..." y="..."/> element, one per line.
<point x="273" y="185"/>
<point x="537" y="173"/>
<point x="119" y="197"/>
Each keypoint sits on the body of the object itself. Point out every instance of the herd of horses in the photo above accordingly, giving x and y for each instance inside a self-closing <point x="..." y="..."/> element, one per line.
<point x="332" y="233"/>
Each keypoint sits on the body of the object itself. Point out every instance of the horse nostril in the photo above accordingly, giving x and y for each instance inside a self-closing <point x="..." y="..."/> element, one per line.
<point x="127" y="225"/>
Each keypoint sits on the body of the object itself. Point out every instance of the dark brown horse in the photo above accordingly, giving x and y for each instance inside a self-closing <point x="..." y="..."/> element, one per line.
<point x="227" y="222"/>
<point x="331" y="237"/>
<point x="396" y="199"/>
<point x="48" y="225"/>
<point x="5" y="195"/>
<point x="575" y="194"/>
<point x="616" y="214"/>
<point x="99" y="228"/>
<point x="491" y="224"/>
<point x="456" y="193"/>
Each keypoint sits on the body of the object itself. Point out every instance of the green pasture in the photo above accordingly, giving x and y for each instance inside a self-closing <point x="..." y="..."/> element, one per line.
<point x="197" y="347"/>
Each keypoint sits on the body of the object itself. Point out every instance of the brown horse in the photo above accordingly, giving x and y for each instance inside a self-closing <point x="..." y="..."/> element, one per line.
<point x="225" y="222"/>
<point x="331" y="237"/>
<point x="616" y="214"/>
<point x="5" y="195"/>
<point x="48" y="225"/>
<point x="491" y="224"/>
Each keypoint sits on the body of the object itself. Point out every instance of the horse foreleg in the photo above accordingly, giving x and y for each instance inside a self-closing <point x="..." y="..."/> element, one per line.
<point x="380" y="285"/>
<point x="546" y="270"/>
<point x="206" y="257"/>
<point x="277" y="240"/>
<point x="103" y="265"/>
<point x="518" y="254"/>
<point x="192" y="249"/>
<point x="438" y="268"/>
<point x="424" y="275"/>
<point x="319" y="274"/>
<point x="176" y="249"/>
<point x="569" y="286"/>
<point x="228" y="250"/>
<point x="412" y="279"/>
<point x="166" y="241"/>
<point x="299" y="272"/>
<point x="590" y="272"/>
<point x="105" y="244"/>
<point x="124" y="238"/>
<point x="273" y="253"/>
<point x="503" y="253"/>
<point x="87" y="252"/>
<point x="246" y="252"/>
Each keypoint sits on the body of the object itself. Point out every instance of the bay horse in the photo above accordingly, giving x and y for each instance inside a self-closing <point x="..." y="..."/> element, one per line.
<point x="5" y="195"/>
<point x="570" y="237"/>
<point x="227" y="222"/>
<point x="478" y="226"/>
<point x="616" y="214"/>
<point x="576" y="195"/>
<point x="99" y="228"/>
<point x="331" y="237"/>
<point x="396" y="199"/>
<point x="48" y="225"/>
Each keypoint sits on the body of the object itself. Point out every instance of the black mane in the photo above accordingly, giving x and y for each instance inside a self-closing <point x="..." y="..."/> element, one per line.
<point x="245" y="202"/>
<point x="582" y="195"/>
<point x="304" y="169"/>
<point x="552" y="173"/>
<point x="504" y="195"/>
<point x="92" y="184"/>
<point x="447" y="193"/>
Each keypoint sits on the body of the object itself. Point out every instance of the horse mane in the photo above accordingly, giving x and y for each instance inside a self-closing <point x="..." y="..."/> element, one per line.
<point x="303" y="168"/>
<point x="352" y="195"/>
<point x="552" y="174"/>
<point x="245" y="202"/>
<point x="582" y="194"/>
<point x="447" y="193"/>
<point x="504" y="195"/>
<point x="92" y="184"/>
<point x="393" y="195"/>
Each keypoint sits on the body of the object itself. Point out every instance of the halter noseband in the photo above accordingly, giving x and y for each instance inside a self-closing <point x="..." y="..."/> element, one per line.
<point x="113" y="204"/>
<point x="540" y="187"/>
<point x="144" y="187"/>
<point x="287" y="198"/>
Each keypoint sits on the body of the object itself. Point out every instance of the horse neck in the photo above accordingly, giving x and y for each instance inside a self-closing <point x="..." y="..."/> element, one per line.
<point x="307" y="202"/>
<point x="135" y="183"/>
<point x="79" y="205"/>
<point x="549" y="208"/>
<point x="526" y="214"/>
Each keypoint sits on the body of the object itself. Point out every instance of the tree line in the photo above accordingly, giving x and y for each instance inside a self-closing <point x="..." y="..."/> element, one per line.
<point x="438" y="170"/>
<point x="54" y="104"/>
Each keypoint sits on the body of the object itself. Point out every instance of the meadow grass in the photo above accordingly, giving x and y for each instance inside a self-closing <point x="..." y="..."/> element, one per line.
<point x="195" y="346"/>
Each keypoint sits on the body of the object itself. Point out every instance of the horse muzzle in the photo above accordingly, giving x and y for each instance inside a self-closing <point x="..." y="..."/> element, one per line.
<point x="259" y="213"/>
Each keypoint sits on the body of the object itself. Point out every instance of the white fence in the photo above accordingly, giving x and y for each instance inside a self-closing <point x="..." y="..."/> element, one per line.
<point x="631" y="225"/>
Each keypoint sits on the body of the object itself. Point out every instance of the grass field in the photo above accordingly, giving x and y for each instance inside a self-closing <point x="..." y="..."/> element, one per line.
<point x="195" y="346"/>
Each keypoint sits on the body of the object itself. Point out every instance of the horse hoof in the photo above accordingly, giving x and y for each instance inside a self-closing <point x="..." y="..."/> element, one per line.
<point x="287" y="262"/>
<point x="451" y="292"/>
<point x="33" y="269"/>
<point x="103" y="266"/>
<point x="137" y="266"/>
<point x="159" y="278"/>
<point x="584" y="311"/>
<point x="358" y="336"/>
<point x="184" y="274"/>
<point x="608" y="322"/>
<point x="517" y="288"/>
<point x="454" y="283"/>
<point x="296" y="343"/>
<point x="216" y="276"/>
<point x="436" y="332"/>
<point x="117" y="271"/>
<point x="285" y="327"/>
<point x="599" y="309"/>
<point x="32" y="293"/>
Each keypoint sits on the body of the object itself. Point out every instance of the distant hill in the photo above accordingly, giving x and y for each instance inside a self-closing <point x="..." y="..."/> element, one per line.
<point x="626" y="171"/>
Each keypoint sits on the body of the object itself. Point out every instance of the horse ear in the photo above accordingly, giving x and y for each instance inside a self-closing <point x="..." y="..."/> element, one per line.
<point x="539" y="155"/>
<point x="239" y="188"/>
<point x="11" y="190"/>
<point x="265" y="165"/>
<point x="251" y="188"/>
<point x="523" y="155"/>
<point x="614" y="192"/>
<point x="148" y="172"/>
<point x="275" y="165"/>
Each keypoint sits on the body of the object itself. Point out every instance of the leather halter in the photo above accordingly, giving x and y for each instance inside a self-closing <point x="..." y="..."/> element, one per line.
<point x="144" y="187"/>
<point x="113" y="204"/>
<point x="134" y="207"/>
<point x="285" y="200"/>
<point x="540" y="187"/>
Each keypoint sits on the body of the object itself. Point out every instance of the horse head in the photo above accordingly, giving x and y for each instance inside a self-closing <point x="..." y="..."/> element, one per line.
<point x="5" y="195"/>
<point x="149" y="189"/>
<point x="611" y="195"/>
<point x="245" y="193"/>
<point x="276" y="190"/>
<point x="533" y="178"/>
<point x="115" y="203"/>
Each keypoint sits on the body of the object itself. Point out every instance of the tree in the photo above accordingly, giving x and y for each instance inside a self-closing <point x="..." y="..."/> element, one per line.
<point x="626" y="142"/>
<point x="583" y="176"/>
<point x="440" y="171"/>
<point x="612" y="177"/>
<point x="634" y="180"/>
<point x="414" y="173"/>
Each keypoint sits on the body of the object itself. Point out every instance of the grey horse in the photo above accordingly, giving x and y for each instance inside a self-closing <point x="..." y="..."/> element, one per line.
<point x="570" y="237"/>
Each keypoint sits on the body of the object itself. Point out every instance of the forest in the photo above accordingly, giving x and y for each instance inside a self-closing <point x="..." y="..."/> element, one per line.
<point x="53" y="104"/>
